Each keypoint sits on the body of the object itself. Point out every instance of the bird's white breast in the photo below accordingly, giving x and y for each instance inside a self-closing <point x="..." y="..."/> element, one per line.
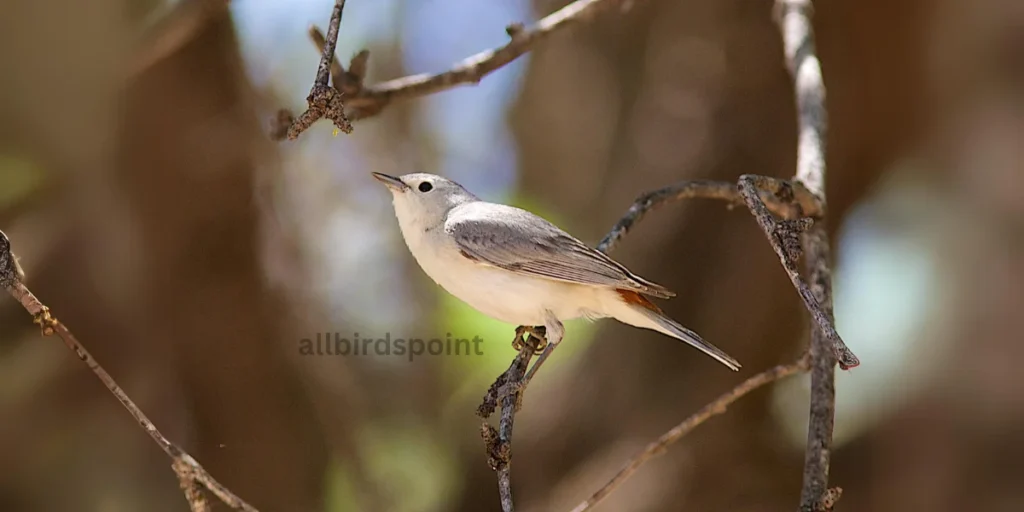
<point x="498" y="293"/>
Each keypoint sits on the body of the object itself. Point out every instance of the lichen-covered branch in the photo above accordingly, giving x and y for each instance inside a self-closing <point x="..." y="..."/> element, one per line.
<point x="323" y="100"/>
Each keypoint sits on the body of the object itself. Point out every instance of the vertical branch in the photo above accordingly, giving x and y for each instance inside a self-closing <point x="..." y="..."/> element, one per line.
<point x="823" y="393"/>
<point x="508" y="391"/>
<point x="323" y="70"/>
<point x="798" y="40"/>
<point x="323" y="100"/>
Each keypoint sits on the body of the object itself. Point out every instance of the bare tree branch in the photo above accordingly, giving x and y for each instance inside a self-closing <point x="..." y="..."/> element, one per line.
<point x="323" y="100"/>
<point x="474" y="68"/>
<point x="367" y="101"/>
<point x="784" y="236"/>
<point x="778" y="195"/>
<point x="798" y="41"/>
<point x="716" y="407"/>
<point x="190" y="472"/>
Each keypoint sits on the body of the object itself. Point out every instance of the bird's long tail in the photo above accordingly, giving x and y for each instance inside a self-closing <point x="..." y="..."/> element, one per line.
<point x="640" y="312"/>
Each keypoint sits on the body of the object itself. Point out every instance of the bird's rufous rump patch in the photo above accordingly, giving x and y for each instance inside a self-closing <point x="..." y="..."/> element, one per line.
<point x="632" y="297"/>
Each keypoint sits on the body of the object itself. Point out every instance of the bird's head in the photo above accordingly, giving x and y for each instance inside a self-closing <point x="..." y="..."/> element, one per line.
<point x="424" y="199"/>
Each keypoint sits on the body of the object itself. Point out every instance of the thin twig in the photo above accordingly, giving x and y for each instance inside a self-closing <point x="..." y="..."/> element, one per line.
<point x="367" y="101"/>
<point x="544" y="355"/>
<point x="794" y="21"/>
<point x="779" y="195"/>
<point x="323" y="100"/>
<point x="784" y="236"/>
<point x="348" y="82"/>
<point x="716" y="407"/>
<point x="320" y="41"/>
<point x="184" y="465"/>
<point x="472" y="69"/>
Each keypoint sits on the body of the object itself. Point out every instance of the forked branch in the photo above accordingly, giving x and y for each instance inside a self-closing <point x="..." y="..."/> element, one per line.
<point x="323" y="100"/>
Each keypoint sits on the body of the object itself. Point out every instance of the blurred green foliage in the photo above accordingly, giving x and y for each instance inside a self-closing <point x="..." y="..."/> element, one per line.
<point x="407" y="461"/>
<point x="18" y="178"/>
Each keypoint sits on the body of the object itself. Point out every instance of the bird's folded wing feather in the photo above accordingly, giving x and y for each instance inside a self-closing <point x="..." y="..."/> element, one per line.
<point x="521" y="242"/>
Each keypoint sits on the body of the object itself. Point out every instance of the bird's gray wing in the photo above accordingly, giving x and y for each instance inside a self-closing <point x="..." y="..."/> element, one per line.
<point x="521" y="242"/>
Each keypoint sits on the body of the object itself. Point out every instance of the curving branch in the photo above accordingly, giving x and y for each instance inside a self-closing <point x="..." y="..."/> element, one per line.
<point x="190" y="473"/>
<point x="362" y="101"/>
<point x="716" y="407"/>
<point x="785" y="199"/>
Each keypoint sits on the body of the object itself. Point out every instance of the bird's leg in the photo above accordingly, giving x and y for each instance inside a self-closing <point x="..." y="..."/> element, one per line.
<point x="553" y="328"/>
<point x="551" y="332"/>
<point x="517" y="342"/>
<point x="538" y="333"/>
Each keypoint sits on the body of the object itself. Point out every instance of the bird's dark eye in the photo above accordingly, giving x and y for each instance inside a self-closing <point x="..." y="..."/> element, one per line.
<point x="425" y="186"/>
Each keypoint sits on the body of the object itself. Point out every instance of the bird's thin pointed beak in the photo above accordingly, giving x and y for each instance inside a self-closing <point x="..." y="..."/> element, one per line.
<point x="391" y="182"/>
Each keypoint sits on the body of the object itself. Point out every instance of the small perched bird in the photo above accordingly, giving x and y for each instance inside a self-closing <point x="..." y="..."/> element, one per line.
<point x="519" y="268"/>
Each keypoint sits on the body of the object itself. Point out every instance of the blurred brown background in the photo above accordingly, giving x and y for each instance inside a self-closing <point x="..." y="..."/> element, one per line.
<point x="190" y="254"/>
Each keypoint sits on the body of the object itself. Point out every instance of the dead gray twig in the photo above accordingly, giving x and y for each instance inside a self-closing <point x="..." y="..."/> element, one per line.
<point x="794" y="19"/>
<point x="190" y="473"/>
<point x="784" y="236"/>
